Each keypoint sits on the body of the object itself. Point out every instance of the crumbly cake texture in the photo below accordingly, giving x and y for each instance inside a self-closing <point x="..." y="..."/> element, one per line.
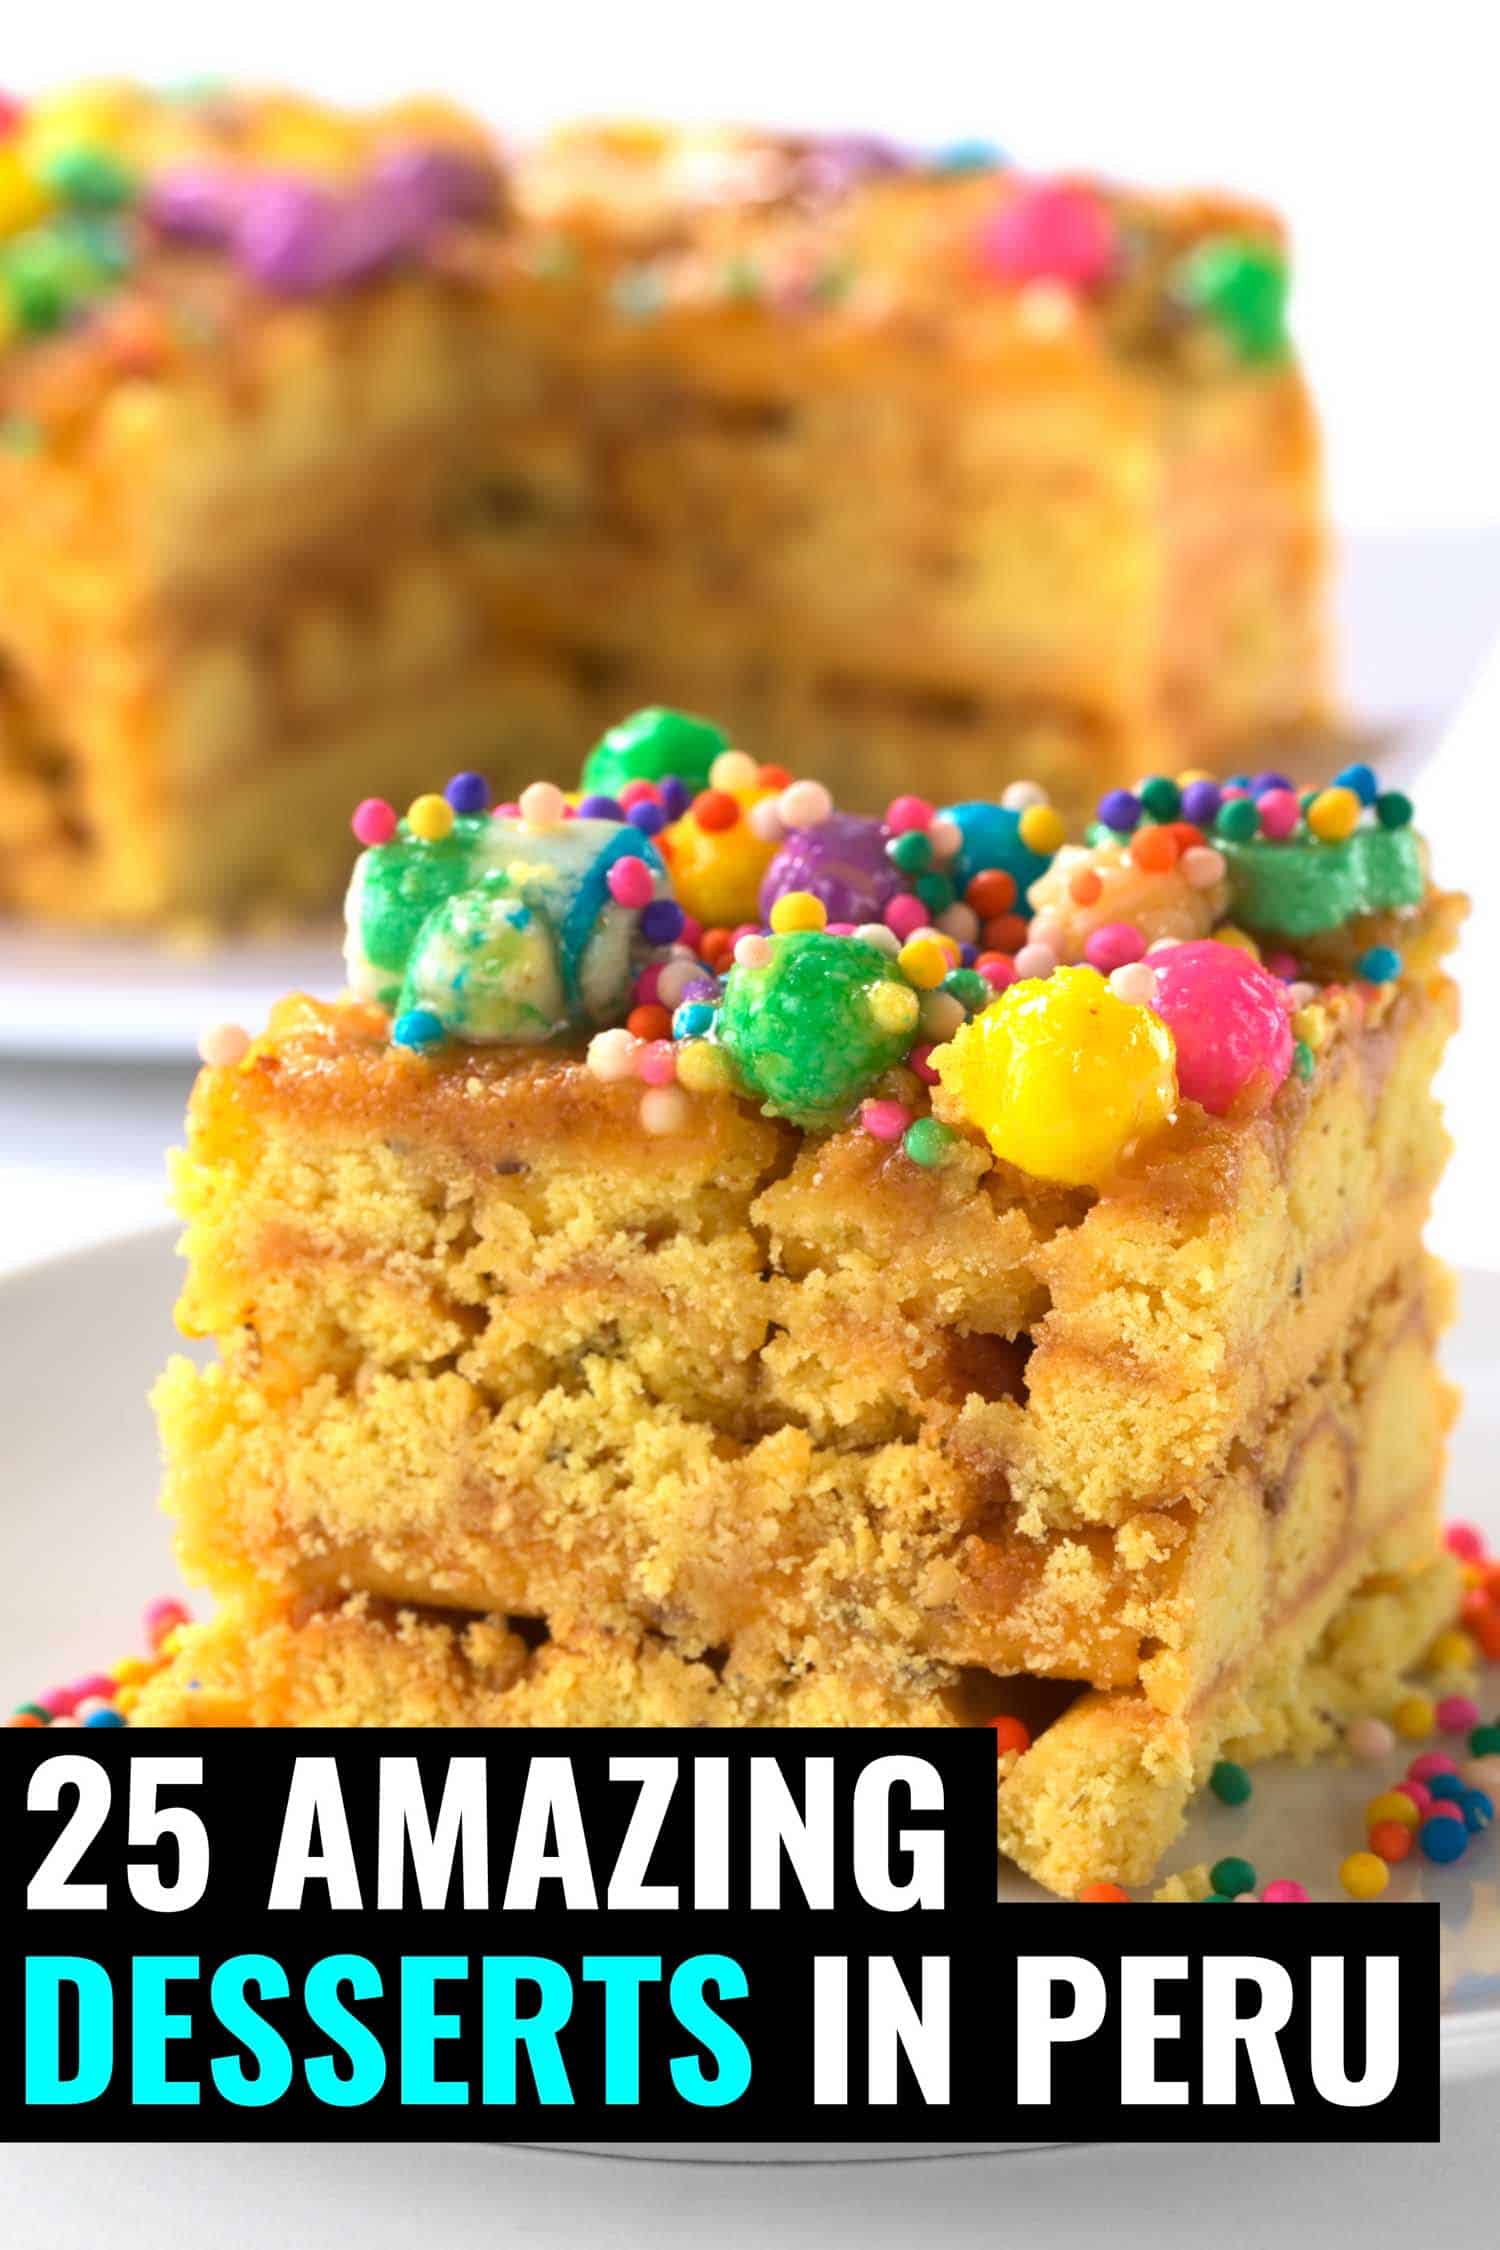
<point x="334" y="448"/>
<point x="830" y="1317"/>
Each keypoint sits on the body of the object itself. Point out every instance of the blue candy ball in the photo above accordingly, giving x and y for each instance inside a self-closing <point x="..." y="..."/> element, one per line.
<point x="417" y="1027"/>
<point x="1361" y="779"/>
<point x="1443" y="1841"/>
<point x="104" y="1719"/>
<point x="992" y="838"/>
<point x="1478" y="1809"/>
<point x="1446" y="1785"/>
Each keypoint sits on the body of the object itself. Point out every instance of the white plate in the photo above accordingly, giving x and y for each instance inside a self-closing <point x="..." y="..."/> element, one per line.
<point x="1406" y="659"/>
<point x="82" y="1548"/>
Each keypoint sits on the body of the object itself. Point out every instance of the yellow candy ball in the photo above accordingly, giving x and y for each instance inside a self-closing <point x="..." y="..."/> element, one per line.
<point x="923" y="962"/>
<point x="717" y="872"/>
<point x="702" y="1067"/>
<point x="1452" y="1651"/>
<point x="1061" y="1076"/>
<point x="1241" y="940"/>
<point x="893" y="1007"/>
<point x="1334" y="814"/>
<point x="1391" y="1805"/>
<point x="798" y="910"/>
<point x="1364" y="1875"/>
<point x="1043" y="830"/>
<point x="1414" y="1717"/>
<point x="23" y="198"/>
<point x="430" y="817"/>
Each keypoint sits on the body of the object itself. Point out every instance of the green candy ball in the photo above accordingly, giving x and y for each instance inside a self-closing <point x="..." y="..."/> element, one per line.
<point x="650" y="745"/>
<point x="1161" y="797"/>
<point x="1231" y="1876"/>
<point x="1242" y="287"/>
<point x="801" y="1032"/>
<point x="927" y="1141"/>
<point x="1229" y="1782"/>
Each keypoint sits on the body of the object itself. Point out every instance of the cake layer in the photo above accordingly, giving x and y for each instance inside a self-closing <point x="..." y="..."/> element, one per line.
<point x="493" y="1232"/>
<point x="1100" y="1794"/>
<point x="754" y="424"/>
<point x="597" y="1505"/>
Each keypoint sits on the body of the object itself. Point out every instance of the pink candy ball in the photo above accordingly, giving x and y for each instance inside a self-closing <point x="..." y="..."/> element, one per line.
<point x="1113" y="946"/>
<point x="1001" y="973"/>
<point x="1280" y="810"/>
<point x="1418" y="1791"/>
<point x="886" y="1121"/>
<point x="1457" y="1714"/>
<point x="1429" y="1763"/>
<point x="222" y="1045"/>
<point x="1284" y="1892"/>
<point x="656" y="1062"/>
<point x="1229" y="1020"/>
<point x="904" y="915"/>
<point x="919" y="1061"/>
<point x="95" y="1686"/>
<point x="60" y="1701"/>
<point x="905" y="813"/>
<point x="631" y="883"/>
<point x="1466" y="1541"/>
<point x="374" y="821"/>
<point x="1051" y="231"/>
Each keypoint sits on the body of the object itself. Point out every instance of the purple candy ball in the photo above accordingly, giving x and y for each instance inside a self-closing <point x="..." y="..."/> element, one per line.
<point x="648" y="818"/>
<point x="1264" y="781"/>
<point x="1120" y="809"/>
<point x="468" y="792"/>
<point x="675" y="796"/>
<point x="286" y="234"/>
<point x="431" y="185"/>
<point x="842" y="862"/>
<point x="197" y="203"/>
<point x="661" y="921"/>
<point x="601" y="808"/>
<point x="1200" y="802"/>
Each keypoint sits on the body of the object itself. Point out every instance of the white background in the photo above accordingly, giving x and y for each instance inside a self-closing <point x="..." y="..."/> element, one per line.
<point x="1374" y="128"/>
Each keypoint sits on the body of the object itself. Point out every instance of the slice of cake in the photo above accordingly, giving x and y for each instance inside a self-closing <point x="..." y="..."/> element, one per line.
<point x="731" y="1260"/>
<point x="336" y="449"/>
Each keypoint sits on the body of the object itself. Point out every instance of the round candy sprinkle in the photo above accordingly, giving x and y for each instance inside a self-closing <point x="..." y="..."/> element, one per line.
<point x="430" y="817"/>
<point x="595" y="807"/>
<point x="1361" y="779"/>
<point x="1230" y="1782"/>
<point x="703" y="1069"/>
<point x="884" y="1121"/>
<point x="630" y="883"/>
<point x="1443" y="1840"/>
<point x="1478" y="1810"/>
<point x="1042" y="830"/>
<point x="1284" y="1892"/>
<point x="1457" y="1714"/>
<point x="804" y="804"/>
<point x="1364" y="1875"/>
<point x="1452" y="1651"/>
<point x="1279" y="810"/>
<point x="646" y="815"/>
<point x="1230" y="1877"/>
<point x="222" y="1045"/>
<point x="468" y="792"/>
<point x="1237" y="819"/>
<point x="1201" y="800"/>
<point x="1161" y="797"/>
<point x="908" y="815"/>
<point x="1240" y="285"/>
<point x="1391" y="1804"/>
<point x="1446" y="1786"/>
<point x="1380" y="965"/>
<point x="543" y="805"/>
<point x="104" y="1718"/>
<point x="1465" y="1540"/>
<point x="1051" y="230"/>
<point x="798" y="910"/>
<point x="928" y="1142"/>
<point x="1483" y="1774"/>
<point x="1430" y="1764"/>
<point x="611" y="1054"/>
<point x="1011" y="1734"/>
<point x="1392" y="809"/>
<point x="1484" y="1742"/>
<point x="923" y="963"/>
<point x="1369" y="1739"/>
<point x="1391" y="1840"/>
<point x="1113" y="946"/>
<point x="1415" y="1792"/>
<point x="417" y="1028"/>
<point x="373" y="821"/>
<point x="1334" y="814"/>
<point x="1413" y="1717"/>
<point x="1119" y="809"/>
<point x="661" y="921"/>
<point x="664" y="1109"/>
<point x="1103" y="1894"/>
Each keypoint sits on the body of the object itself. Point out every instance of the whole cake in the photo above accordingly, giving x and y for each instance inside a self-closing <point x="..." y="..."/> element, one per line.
<point x="730" y="1260"/>
<point x="337" y="450"/>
